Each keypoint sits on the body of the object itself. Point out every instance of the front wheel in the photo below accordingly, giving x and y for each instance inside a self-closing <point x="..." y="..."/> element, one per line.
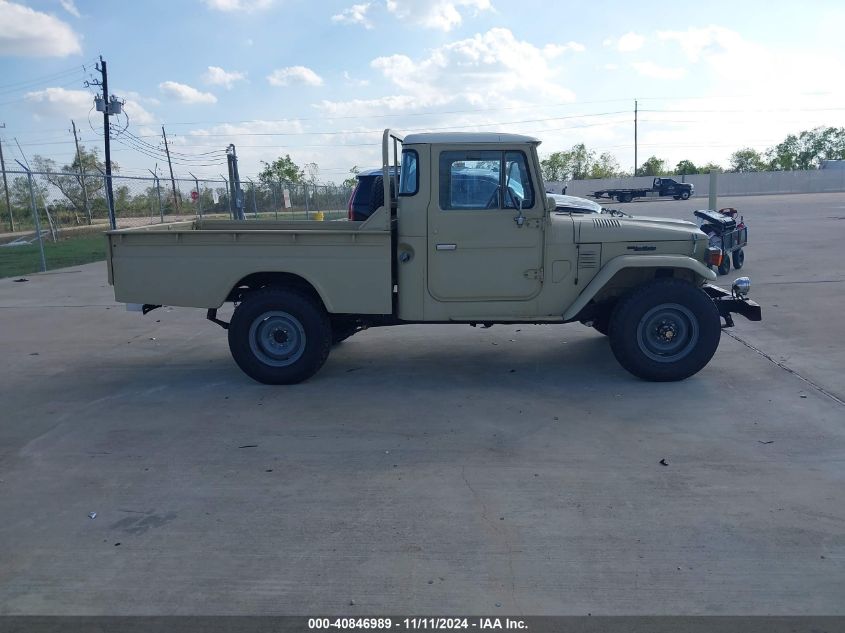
<point x="685" y="195"/>
<point x="666" y="330"/>
<point x="279" y="337"/>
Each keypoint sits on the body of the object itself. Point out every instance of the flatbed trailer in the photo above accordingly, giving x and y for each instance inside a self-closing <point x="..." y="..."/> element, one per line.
<point x="661" y="188"/>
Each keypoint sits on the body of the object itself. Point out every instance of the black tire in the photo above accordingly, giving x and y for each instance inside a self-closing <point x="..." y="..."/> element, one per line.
<point x="685" y="195"/>
<point x="279" y="337"/>
<point x="739" y="258"/>
<point x="645" y="324"/>
<point x="601" y="323"/>
<point x="626" y="197"/>
<point x="725" y="266"/>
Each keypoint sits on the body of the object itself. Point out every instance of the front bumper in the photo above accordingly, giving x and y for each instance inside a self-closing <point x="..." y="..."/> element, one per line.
<point x="728" y="304"/>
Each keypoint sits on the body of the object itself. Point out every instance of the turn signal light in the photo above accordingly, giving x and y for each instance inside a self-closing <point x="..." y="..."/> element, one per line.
<point x="714" y="256"/>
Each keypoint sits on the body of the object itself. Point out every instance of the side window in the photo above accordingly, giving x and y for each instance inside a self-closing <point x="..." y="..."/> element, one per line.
<point x="409" y="177"/>
<point x="470" y="180"/>
<point x="518" y="181"/>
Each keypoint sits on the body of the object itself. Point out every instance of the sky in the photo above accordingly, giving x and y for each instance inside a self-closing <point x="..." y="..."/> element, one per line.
<point x="319" y="80"/>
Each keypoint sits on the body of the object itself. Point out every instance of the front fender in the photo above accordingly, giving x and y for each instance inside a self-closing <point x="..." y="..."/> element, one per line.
<point x="634" y="261"/>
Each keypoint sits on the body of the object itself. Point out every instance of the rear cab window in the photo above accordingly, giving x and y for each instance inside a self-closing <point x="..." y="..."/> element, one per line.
<point x="409" y="176"/>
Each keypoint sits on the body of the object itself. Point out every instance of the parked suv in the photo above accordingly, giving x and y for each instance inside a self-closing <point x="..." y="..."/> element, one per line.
<point x="368" y="194"/>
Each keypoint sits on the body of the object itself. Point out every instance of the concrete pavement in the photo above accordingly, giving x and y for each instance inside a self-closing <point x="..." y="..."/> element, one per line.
<point x="428" y="469"/>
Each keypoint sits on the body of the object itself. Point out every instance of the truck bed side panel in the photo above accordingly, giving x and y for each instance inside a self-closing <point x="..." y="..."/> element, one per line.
<point x="349" y="269"/>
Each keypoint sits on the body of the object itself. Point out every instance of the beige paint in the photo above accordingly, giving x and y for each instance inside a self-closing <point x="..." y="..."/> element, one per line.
<point x="491" y="270"/>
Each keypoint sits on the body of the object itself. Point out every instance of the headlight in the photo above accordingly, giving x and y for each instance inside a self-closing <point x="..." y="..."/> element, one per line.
<point x="741" y="286"/>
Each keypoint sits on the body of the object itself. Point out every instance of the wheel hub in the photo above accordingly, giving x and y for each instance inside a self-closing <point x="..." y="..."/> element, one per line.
<point x="667" y="333"/>
<point x="667" y="330"/>
<point x="277" y="338"/>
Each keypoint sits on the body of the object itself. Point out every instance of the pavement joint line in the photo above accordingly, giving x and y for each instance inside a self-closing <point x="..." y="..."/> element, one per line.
<point x="786" y="368"/>
<point x="819" y="281"/>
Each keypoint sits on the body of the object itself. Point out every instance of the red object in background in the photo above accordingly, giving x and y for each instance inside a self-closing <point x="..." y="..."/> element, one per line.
<point x="195" y="196"/>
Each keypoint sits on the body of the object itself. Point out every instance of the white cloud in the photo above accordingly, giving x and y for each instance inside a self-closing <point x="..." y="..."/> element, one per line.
<point x="294" y="75"/>
<point x="655" y="71"/>
<point x="70" y="7"/>
<point x="481" y="69"/>
<point x="138" y="115"/>
<point x="185" y="93"/>
<point x="352" y="81"/>
<point x="59" y="102"/>
<point x="554" y="50"/>
<point x="611" y="67"/>
<point x="365" y="107"/>
<point x="25" y="32"/>
<point x="630" y="42"/>
<point x="436" y="14"/>
<point x="239" y="5"/>
<point x="216" y="76"/>
<point x="698" y="42"/>
<point x="356" y="14"/>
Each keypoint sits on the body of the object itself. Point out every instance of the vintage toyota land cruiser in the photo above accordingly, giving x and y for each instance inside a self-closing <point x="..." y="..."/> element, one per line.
<point x="463" y="235"/>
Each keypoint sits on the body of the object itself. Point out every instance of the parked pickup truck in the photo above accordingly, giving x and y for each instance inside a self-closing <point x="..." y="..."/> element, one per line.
<point x="465" y="236"/>
<point x="661" y="188"/>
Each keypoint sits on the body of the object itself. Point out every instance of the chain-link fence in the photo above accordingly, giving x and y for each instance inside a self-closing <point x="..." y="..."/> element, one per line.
<point x="47" y="210"/>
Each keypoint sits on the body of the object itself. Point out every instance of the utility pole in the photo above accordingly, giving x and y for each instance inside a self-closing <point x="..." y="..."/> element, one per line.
<point x="235" y="182"/>
<point x="635" y="137"/>
<point x="158" y="193"/>
<point x="6" y="185"/>
<point x="108" y="105"/>
<point x="81" y="174"/>
<point x="172" y="179"/>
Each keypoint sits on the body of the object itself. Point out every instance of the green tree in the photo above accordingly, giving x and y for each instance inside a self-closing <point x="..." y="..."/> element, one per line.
<point x="283" y="169"/>
<point x="557" y="167"/>
<point x="808" y="149"/>
<point x="568" y="165"/>
<point x="653" y="166"/>
<point x="708" y="167"/>
<point x="582" y="158"/>
<point x="747" y="159"/>
<point x="686" y="167"/>
<point x="353" y="178"/>
<point x="68" y="181"/>
<point x="605" y="167"/>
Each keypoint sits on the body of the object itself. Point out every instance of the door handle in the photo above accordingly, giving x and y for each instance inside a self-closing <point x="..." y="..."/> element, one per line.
<point x="447" y="247"/>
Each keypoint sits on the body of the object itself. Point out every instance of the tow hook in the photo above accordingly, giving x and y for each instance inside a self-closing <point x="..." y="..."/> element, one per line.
<point x="211" y="315"/>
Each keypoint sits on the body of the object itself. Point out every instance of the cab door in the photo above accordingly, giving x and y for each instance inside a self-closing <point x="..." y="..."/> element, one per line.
<point x="485" y="229"/>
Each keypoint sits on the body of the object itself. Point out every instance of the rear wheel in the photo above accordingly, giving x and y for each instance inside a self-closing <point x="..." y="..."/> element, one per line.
<point x="279" y="337"/>
<point x="666" y="330"/>
<point x="739" y="258"/>
<point x="625" y="197"/>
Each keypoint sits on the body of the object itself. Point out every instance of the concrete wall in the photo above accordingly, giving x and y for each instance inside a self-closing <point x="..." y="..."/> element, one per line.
<point x="746" y="184"/>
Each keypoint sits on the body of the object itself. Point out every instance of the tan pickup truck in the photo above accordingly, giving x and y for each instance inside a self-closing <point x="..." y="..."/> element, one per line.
<point x="462" y="232"/>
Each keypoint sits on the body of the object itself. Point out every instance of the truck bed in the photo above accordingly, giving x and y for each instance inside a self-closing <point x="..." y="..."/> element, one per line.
<point x="197" y="264"/>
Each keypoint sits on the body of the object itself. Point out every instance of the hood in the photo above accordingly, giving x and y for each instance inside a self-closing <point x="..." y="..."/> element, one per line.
<point x="634" y="229"/>
<point x="574" y="202"/>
